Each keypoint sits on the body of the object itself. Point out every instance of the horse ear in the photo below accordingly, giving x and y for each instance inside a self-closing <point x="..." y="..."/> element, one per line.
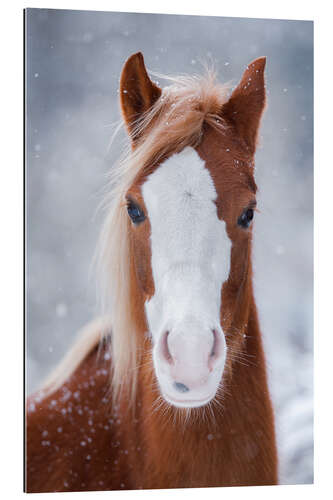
<point x="137" y="92"/>
<point x="247" y="102"/>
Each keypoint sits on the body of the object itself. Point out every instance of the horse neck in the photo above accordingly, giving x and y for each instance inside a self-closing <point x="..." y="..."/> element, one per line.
<point x="242" y="412"/>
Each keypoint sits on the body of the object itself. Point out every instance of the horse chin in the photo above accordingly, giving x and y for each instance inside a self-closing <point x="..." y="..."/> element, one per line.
<point x="187" y="403"/>
<point x="194" y="398"/>
<point x="188" y="391"/>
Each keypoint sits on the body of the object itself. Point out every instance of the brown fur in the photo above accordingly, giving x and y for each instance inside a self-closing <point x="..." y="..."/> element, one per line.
<point x="139" y="98"/>
<point x="150" y="444"/>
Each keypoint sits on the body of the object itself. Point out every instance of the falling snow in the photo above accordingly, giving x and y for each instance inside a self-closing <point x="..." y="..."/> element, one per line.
<point x="71" y="129"/>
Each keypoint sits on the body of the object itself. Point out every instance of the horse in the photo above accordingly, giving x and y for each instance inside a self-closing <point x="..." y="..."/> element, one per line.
<point x="169" y="388"/>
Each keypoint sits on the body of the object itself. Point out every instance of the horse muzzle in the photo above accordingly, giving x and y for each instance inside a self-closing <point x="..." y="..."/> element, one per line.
<point x="189" y="360"/>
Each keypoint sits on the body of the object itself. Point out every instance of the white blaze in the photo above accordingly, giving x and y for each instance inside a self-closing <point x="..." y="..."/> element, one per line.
<point x="189" y="245"/>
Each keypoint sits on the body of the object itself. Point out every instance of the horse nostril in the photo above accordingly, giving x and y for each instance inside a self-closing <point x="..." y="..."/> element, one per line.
<point x="165" y="349"/>
<point x="180" y="387"/>
<point x="215" y="355"/>
<point x="215" y="352"/>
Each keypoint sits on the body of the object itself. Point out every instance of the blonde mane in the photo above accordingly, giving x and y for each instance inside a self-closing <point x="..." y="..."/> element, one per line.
<point x="175" y="121"/>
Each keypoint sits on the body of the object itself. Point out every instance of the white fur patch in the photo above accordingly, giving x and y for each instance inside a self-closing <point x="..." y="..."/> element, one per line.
<point x="189" y="243"/>
<point x="190" y="261"/>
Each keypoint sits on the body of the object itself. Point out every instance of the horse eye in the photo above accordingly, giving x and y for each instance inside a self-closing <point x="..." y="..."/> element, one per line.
<point x="134" y="211"/>
<point x="244" y="220"/>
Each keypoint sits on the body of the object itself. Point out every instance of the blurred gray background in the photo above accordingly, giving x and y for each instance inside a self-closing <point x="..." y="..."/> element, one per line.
<point x="74" y="59"/>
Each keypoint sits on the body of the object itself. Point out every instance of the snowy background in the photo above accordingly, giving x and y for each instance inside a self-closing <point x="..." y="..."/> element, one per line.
<point x="74" y="59"/>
